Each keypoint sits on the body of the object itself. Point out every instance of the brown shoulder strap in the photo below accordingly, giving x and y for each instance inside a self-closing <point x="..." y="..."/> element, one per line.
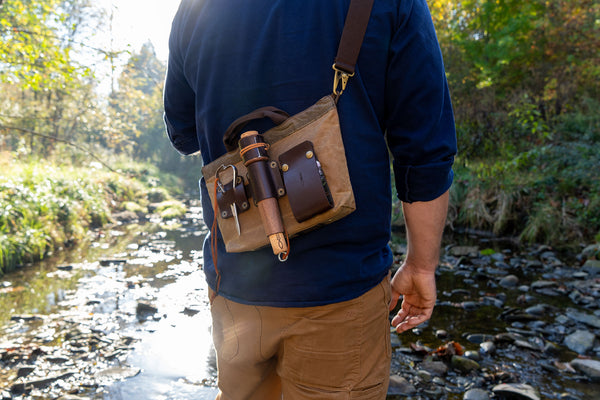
<point x="355" y="27"/>
<point x="353" y="34"/>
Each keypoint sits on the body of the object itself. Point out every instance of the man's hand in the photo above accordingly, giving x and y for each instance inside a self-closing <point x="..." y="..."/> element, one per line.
<point x="415" y="280"/>
<point x="419" y="295"/>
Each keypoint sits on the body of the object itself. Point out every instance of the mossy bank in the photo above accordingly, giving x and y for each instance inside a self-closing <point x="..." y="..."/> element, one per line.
<point x="46" y="207"/>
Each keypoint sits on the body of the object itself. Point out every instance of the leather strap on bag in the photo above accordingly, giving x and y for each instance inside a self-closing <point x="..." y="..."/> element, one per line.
<point x="355" y="27"/>
<point x="353" y="34"/>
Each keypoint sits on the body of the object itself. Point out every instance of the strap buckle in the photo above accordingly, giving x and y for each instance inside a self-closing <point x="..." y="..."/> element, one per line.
<point x="340" y="80"/>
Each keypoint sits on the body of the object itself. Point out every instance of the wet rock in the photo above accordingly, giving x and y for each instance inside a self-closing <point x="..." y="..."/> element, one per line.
<point x="591" y="368"/>
<point x="592" y="267"/>
<point x="435" y="368"/>
<point x="476" y="394"/>
<point x="145" y="309"/>
<point x="424" y="376"/>
<point x="125" y="216"/>
<point x="568" y="396"/>
<point x="516" y="391"/>
<point x="538" y="310"/>
<point x="464" y="251"/>
<point x="463" y="364"/>
<point x="537" y="285"/>
<point x="26" y="318"/>
<point x="473" y="355"/>
<point x="591" y="251"/>
<point x="509" y="281"/>
<point x="441" y="334"/>
<point x="56" y="359"/>
<point x="479" y="338"/>
<point x="487" y="348"/>
<point x="580" y="341"/>
<point x="19" y="388"/>
<point x="117" y="373"/>
<point x="24" y="370"/>
<point x="400" y="386"/>
<point x="587" y="319"/>
<point x="551" y="349"/>
<point x="106" y="262"/>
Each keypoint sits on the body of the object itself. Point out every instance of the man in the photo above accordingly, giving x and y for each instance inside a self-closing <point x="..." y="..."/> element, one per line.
<point x="316" y="326"/>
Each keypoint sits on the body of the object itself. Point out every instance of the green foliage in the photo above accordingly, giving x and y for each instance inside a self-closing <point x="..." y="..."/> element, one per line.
<point x="44" y="207"/>
<point x="549" y="194"/>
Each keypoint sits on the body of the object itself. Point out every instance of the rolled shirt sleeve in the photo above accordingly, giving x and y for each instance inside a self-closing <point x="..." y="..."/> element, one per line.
<point x="419" y="117"/>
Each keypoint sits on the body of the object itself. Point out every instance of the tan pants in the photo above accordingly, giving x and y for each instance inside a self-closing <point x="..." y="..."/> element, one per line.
<point x="337" y="351"/>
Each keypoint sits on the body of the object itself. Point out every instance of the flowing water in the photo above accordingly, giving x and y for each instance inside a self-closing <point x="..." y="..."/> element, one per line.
<point x="129" y="312"/>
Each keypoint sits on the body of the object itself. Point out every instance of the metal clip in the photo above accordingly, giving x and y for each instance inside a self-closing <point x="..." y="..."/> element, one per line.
<point x="342" y="77"/>
<point x="223" y="168"/>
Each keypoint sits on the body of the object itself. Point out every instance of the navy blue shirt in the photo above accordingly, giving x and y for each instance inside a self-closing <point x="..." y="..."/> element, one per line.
<point x="229" y="57"/>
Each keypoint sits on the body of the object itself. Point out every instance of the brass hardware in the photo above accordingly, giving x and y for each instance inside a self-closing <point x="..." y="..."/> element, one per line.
<point x="285" y="168"/>
<point x="309" y="154"/>
<point x="340" y="76"/>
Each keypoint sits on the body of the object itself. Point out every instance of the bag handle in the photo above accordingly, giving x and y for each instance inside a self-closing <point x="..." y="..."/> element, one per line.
<point x="232" y="135"/>
<point x="344" y="65"/>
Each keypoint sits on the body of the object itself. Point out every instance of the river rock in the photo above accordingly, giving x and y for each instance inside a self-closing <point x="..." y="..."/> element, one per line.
<point x="487" y="347"/>
<point x="117" y="373"/>
<point x="463" y="364"/>
<point x="537" y="285"/>
<point x="516" y="391"/>
<point x="587" y="319"/>
<point x="590" y="368"/>
<point x="145" y="309"/>
<point x="400" y="386"/>
<point x="509" y="281"/>
<point x="580" y="342"/>
<point x="460" y="251"/>
<point x="19" y="388"/>
<point x="476" y="394"/>
<point x="592" y="267"/>
<point x="435" y="368"/>
<point x="24" y="370"/>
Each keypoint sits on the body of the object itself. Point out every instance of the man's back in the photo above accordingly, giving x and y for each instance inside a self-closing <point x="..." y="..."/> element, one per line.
<point x="229" y="57"/>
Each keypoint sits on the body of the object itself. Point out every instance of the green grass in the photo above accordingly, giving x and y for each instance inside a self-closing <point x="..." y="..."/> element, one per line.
<point x="549" y="194"/>
<point x="44" y="206"/>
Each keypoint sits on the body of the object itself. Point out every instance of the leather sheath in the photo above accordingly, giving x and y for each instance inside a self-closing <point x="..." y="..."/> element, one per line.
<point x="306" y="186"/>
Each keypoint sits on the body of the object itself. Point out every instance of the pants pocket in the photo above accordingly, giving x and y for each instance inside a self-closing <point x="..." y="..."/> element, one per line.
<point x="224" y="332"/>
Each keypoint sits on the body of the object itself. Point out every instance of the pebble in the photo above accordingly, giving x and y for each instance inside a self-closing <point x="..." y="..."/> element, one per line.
<point x="509" y="281"/>
<point x="582" y="317"/>
<point x="517" y="391"/>
<point x="487" y="347"/>
<point x="580" y="341"/>
<point x="476" y="394"/>
<point x="435" y="368"/>
<point x="464" y="364"/>
<point x="400" y="386"/>
<point x="591" y="368"/>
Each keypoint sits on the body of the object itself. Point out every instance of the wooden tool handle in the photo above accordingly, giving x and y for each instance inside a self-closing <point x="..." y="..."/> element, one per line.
<point x="271" y="219"/>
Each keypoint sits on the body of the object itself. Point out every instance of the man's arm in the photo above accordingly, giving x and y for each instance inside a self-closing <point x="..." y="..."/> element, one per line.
<point x="415" y="280"/>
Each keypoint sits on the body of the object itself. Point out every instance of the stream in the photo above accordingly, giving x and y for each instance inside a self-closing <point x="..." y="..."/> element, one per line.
<point x="125" y="315"/>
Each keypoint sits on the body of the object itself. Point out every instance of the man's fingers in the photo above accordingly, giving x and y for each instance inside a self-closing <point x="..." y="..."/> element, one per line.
<point x="411" y="322"/>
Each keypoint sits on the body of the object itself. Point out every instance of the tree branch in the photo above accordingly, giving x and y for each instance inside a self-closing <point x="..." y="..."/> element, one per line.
<point x="78" y="147"/>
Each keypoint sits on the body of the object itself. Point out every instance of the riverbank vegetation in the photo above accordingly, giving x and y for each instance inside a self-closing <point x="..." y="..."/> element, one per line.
<point x="523" y="76"/>
<point x="47" y="207"/>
